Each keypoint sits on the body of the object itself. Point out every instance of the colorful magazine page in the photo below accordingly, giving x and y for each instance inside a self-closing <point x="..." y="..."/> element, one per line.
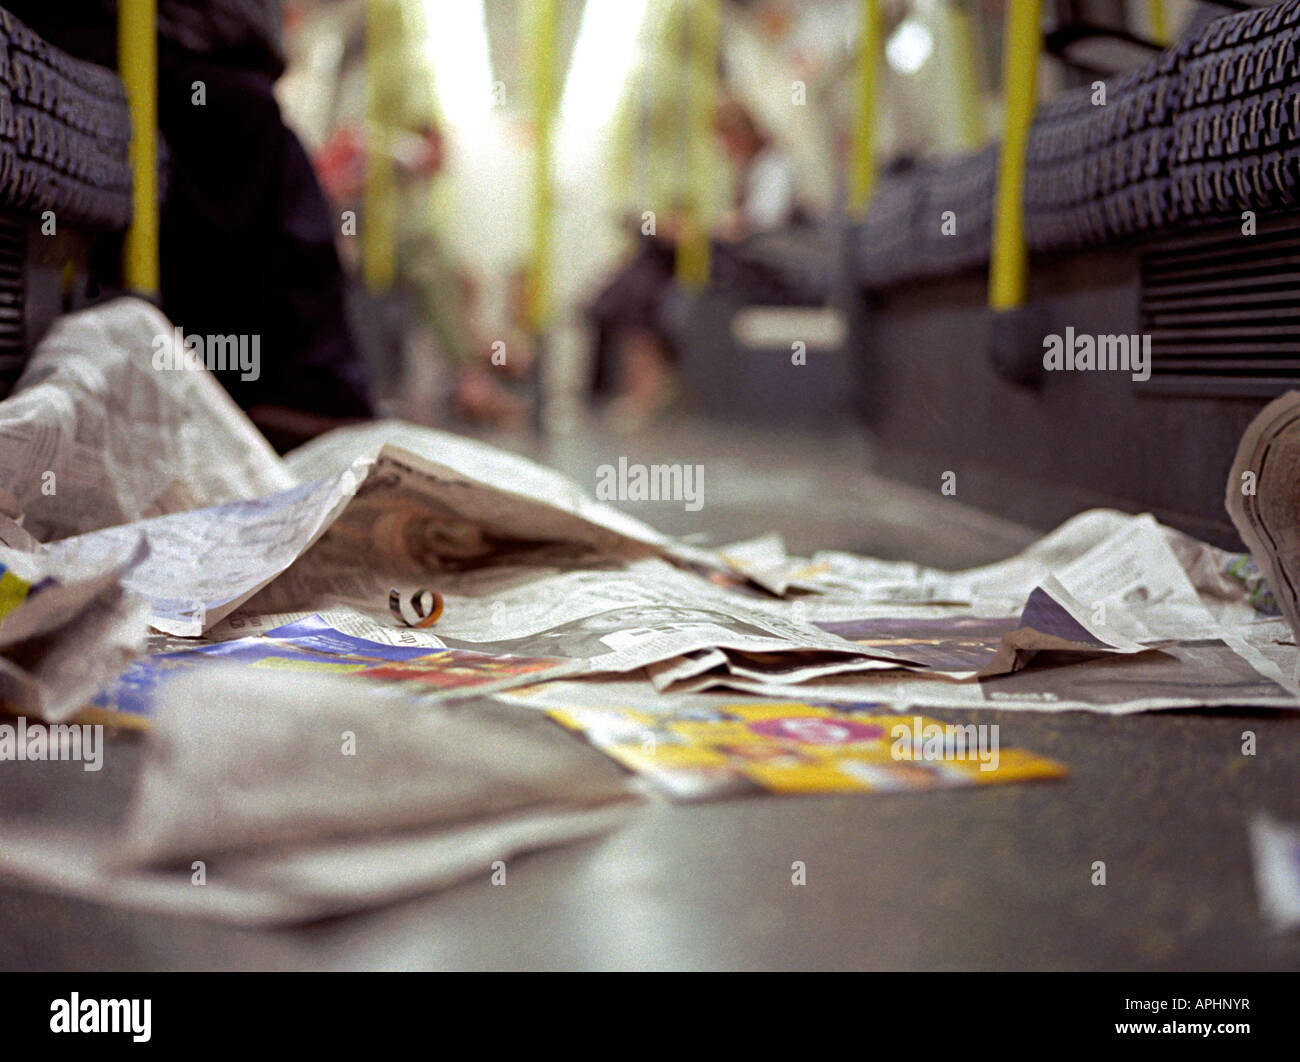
<point x="312" y="645"/>
<point x="749" y="747"/>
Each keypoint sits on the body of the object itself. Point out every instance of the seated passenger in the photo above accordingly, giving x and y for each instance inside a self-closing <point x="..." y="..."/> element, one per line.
<point x="634" y="353"/>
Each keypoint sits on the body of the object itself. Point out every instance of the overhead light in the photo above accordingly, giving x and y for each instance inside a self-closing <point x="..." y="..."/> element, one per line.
<point x="457" y="45"/>
<point x="909" y="46"/>
<point x="602" y="59"/>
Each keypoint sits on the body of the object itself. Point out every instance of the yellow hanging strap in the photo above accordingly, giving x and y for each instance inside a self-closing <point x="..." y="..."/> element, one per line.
<point x="379" y="193"/>
<point x="693" y="251"/>
<point x="137" y="61"/>
<point x="862" y="157"/>
<point x="1009" y="268"/>
<point x="541" y="21"/>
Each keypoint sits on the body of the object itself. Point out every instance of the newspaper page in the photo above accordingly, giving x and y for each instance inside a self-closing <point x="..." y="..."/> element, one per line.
<point x="313" y="646"/>
<point x="248" y="765"/>
<point x="622" y="620"/>
<point x="763" y="561"/>
<point x="1189" y="674"/>
<point x="40" y="593"/>
<point x="1127" y="571"/>
<point x="65" y="629"/>
<point x="617" y="617"/>
<point x="964" y="646"/>
<point x="94" y="435"/>
<point x="394" y="515"/>
<point x="504" y="493"/>
<point x="665" y="673"/>
<point x="203" y="564"/>
<point x="998" y="588"/>
<point x="1134" y="581"/>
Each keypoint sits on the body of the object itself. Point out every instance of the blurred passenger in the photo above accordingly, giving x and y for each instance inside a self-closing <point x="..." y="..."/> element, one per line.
<point x="432" y="310"/>
<point x="480" y="392"/>
<point x="635" y="353"/>
<point x="765" y="194"/>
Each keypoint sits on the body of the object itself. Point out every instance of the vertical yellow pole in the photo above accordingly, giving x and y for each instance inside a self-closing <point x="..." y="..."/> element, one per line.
<point x="379" y="193"/>
<point x="970" y="108"/>
<point x="542" y="17"/>
<point x="1159" y="23"/>
<point x="862" y="158"/>
<point x="1009" y="268"/>
<point x="137" y="54"/>
<point x="663" y="129"/>
<point x="693" y="251"/>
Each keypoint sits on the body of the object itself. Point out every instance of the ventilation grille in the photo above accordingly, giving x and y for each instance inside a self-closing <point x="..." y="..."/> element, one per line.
<point x="13" y="258"/>
<point x="1223" y="313"/>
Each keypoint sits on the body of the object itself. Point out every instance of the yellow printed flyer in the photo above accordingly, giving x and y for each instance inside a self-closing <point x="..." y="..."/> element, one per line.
<point x="794" y="747"/>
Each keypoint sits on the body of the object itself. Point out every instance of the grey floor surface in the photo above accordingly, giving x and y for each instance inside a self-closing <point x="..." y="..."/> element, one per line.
<point x="993" y="879"/>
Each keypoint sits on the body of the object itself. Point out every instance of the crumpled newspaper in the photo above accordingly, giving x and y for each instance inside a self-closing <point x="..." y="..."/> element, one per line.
<point x="66" y="628"/>
<point x="268" y="798"/>
<point x="95" y="435"/>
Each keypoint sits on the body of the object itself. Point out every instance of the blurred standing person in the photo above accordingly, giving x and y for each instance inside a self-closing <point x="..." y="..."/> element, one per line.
<point x="428" y="321"/>
<point x="765" y="192"/>
<point x="635" y="354"/>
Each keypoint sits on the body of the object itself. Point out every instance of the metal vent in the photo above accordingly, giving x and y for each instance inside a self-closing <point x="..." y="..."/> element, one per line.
<point x="1223" y="312"/>
<point x="13" y="258"/>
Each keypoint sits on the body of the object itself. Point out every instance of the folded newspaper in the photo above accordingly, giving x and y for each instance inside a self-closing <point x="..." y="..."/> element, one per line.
<point x="161" y="567"/>
<point x="225" y="541"/>
<point x="265" y="799"/>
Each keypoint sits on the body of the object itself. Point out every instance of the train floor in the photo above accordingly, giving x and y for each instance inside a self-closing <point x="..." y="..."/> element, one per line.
<point x="999" y="877"/>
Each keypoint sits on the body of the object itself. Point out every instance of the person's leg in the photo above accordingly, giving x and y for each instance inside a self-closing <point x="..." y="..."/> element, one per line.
<point x="633" y="356"/>
<point x="247" y="241"/>
<point x="647" y="379"/>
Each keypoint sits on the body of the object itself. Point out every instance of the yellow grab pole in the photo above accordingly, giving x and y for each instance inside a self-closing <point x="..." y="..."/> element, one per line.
<point x="693" y="251"/>
<point x="379" y="192"/>
<point x="1009" y="267"/>
<point x="1159" y="23"/>
<point x="970" y="108"/>
<point x="663" y="130"/>
<point x="137" y="62"/>
<point x="543" y="17"/>
<point x="862" y="158"/>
